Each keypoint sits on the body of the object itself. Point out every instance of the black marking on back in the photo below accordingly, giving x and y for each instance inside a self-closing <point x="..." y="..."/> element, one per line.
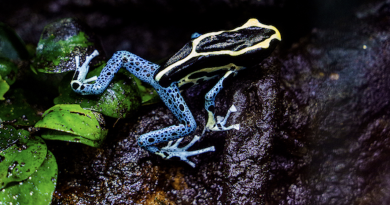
<point x="234" y="40"/>
<point x="186" y="86"/>
<point x="206" y="74"/>
<point x="182" y="53"/>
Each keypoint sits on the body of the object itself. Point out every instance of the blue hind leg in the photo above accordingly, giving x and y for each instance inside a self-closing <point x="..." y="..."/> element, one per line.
<point x="175" y="102"/>
<point x="219" y="124"/>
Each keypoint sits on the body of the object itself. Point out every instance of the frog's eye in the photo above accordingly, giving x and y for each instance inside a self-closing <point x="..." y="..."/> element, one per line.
<point x="195" y="35"/>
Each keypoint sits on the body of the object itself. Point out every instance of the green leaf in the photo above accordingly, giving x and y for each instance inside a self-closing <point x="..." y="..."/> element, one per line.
<point x="75" y="121"/>
<point x="63" y="136"/>
<point x="8" y="71"/>
<point x="16" y="110"/>
<point x="4" y="87"/>
<point x="21" y="159"/>
<point x="37" y="189"/>
<point x="121" y="99"/>
<point x="60" y="42"/>
<point x="148" y="93"/>
<point x="9" y="136"/>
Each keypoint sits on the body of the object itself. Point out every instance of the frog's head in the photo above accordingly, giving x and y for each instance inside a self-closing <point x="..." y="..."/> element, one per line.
<point x="248" y="38"/>
<point x="245" y="46"/>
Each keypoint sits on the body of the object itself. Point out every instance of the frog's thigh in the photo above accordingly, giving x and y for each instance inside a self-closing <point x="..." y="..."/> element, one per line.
<point x="210" y="99"/>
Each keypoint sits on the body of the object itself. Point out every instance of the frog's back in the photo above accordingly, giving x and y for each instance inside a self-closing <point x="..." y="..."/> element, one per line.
<point x="243" y="46"/>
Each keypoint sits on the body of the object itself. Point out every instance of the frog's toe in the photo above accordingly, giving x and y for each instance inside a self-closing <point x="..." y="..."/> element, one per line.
<point x="233" y="109"/>
<point x="220" y="119"/>
<point x="75" y="84"/>
<point x="90" y="79"/>
<point x="170" y="150"/>
<point x="236" y="126"/>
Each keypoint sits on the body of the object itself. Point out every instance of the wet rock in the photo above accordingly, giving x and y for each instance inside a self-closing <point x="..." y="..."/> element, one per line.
<point x="335" y="86"/>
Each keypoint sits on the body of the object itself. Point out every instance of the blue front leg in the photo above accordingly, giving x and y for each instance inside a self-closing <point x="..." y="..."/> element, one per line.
<point x="142" y="69"/>
<point x="145" y="70"/>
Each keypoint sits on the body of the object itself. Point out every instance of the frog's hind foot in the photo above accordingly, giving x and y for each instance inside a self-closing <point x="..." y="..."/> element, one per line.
<point x="170" y="150"/>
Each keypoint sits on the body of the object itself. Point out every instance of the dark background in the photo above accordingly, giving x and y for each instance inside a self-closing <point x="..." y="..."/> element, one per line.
<point x="156" y="29"/>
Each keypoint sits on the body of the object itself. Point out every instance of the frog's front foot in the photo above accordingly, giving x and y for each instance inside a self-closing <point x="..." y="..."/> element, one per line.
<point x="170" y="150"/>
<point x="219" y="124"/>
<point x="82" y="71"/>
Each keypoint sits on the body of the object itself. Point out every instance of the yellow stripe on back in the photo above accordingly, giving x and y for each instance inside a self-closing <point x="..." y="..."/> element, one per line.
<point x="250" y="23"/>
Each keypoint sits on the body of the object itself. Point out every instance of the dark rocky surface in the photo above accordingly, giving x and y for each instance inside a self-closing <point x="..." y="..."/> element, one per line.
<point x="335" y="86"/>
<point x="314" y="116"/>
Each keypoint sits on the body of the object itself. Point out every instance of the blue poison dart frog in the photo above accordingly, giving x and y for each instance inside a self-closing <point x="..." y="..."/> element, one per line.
<point x="212" y="55"/>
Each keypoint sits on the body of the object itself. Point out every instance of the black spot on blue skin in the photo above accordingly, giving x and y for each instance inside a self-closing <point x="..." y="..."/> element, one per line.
<point x="82" y="87"/>
<point x="174" y="134"/>
<point x="76" y="75"/>
<point x="181" y="106"/>
<point x="169" y="101"/>
<point x="124" y="60"/>
<point x="151" y="140"/>
<point x="211" y="108"/>
<point x="109" y="73"/>
<point x="75" y="86"/>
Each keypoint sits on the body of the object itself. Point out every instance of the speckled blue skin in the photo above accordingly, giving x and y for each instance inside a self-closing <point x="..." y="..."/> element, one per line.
<point x="144" y="70"/>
